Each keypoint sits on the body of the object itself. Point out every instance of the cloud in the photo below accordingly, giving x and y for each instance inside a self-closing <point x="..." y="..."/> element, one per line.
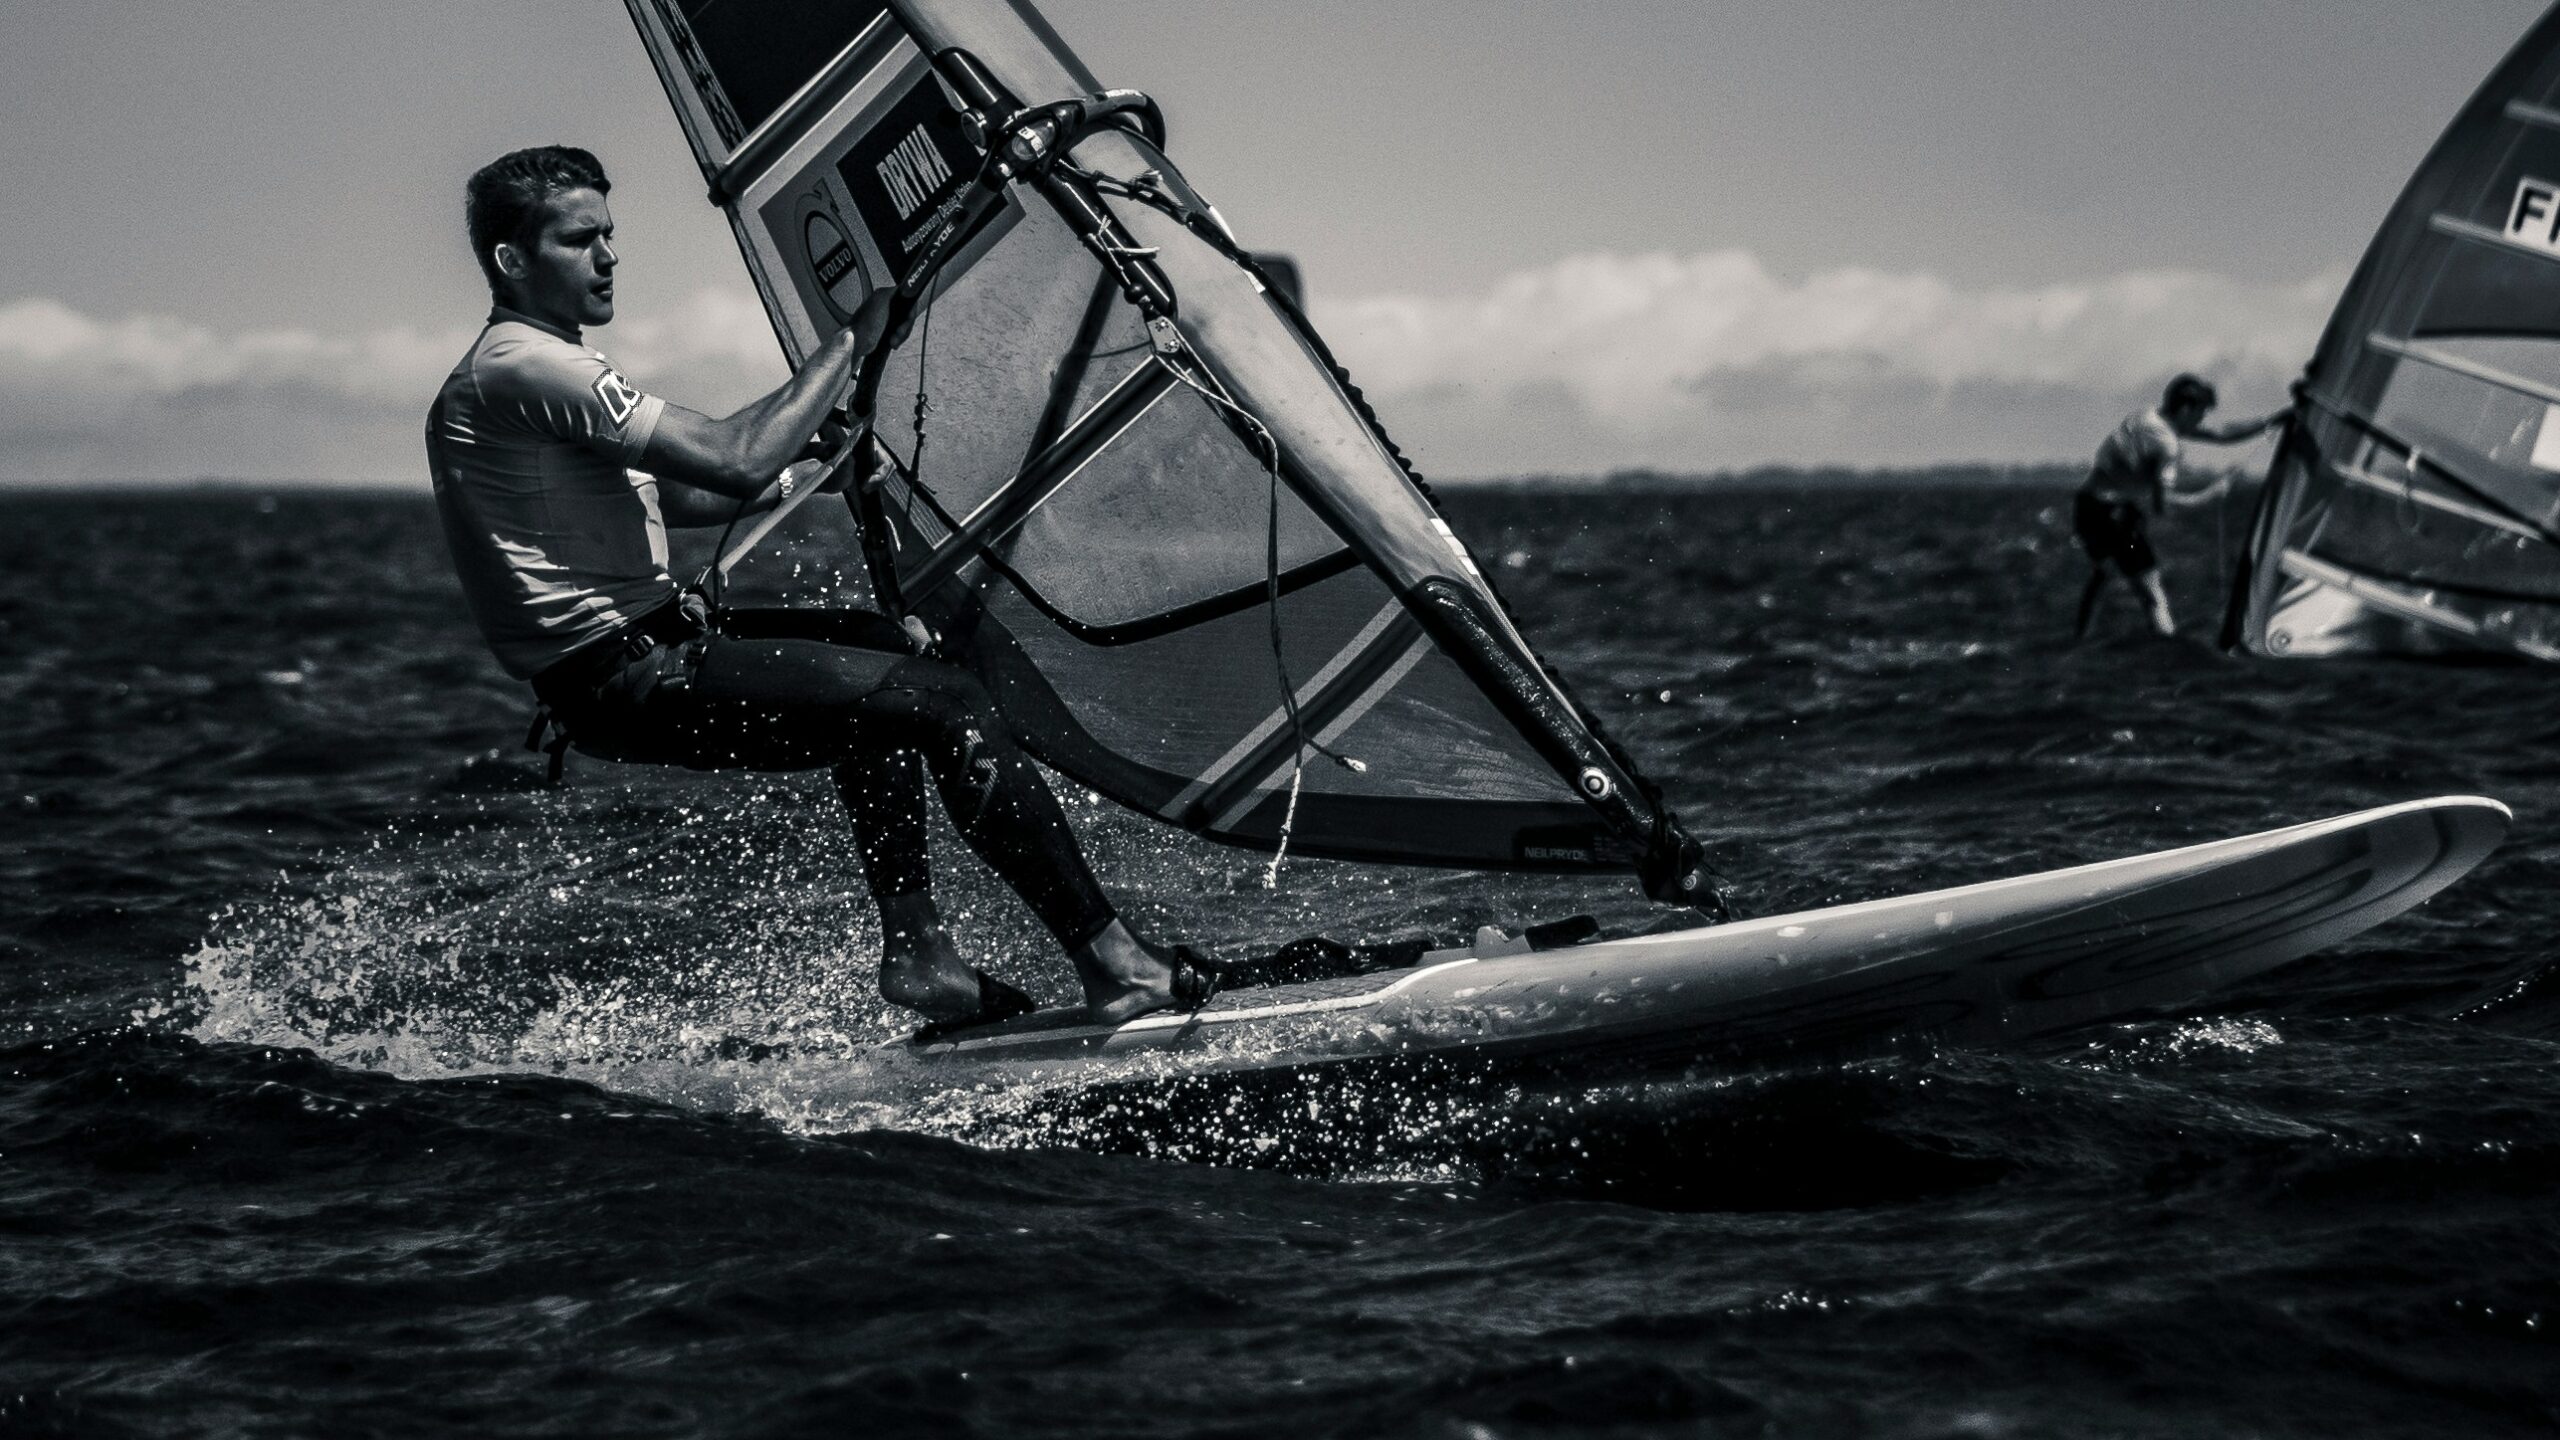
<point x="1711" y="361"/>
<point x="152" y="397"/>
<point x="1595" y="362"/>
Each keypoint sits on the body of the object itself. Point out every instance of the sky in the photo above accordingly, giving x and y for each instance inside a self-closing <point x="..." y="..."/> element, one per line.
<point x="1567" y="237"/>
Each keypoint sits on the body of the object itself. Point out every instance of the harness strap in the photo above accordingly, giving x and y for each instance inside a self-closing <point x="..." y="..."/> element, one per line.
<point x="680" y="620"/>
<point x="557" y="746"/>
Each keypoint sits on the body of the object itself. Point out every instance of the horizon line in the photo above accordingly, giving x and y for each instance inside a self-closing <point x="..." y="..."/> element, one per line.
<point x="2018" y="472"/>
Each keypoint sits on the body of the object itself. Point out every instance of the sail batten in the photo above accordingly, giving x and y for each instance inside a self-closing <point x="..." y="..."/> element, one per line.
<point x="2531" y="114"/>
<point x="2426" y="354"/>
<point x="2480" y="234"/>
<point x="2414" y="607"/>
<point x="2405" y="492"/>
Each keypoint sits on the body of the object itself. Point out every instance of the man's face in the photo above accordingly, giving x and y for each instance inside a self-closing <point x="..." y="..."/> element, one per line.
<point x="568" y="264"/>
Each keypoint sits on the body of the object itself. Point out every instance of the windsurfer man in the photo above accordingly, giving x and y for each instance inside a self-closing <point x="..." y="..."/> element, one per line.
<point x="556" y="480"/>
<point x="2137" y="464"/>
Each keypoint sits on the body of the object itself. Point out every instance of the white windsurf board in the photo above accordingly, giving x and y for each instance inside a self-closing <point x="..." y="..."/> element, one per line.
<point x="1978" y="965"/>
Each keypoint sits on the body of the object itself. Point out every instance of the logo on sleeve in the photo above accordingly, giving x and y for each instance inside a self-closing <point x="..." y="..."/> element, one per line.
<point x="618" y="397"/>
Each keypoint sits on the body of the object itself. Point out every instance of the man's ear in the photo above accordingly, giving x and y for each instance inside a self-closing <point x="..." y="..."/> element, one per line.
<point x="510" y="260"/>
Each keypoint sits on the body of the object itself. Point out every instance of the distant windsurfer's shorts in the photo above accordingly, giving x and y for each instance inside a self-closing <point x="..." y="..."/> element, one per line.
<point x="2113" y="532"/>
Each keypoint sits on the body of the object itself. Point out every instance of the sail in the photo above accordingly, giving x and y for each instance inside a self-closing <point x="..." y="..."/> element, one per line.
<point x="1116" y="471"/>
<point x="2414" y="505"/>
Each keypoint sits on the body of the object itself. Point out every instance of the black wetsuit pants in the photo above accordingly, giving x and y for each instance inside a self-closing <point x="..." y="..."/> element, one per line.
<point x="797" y="689"/>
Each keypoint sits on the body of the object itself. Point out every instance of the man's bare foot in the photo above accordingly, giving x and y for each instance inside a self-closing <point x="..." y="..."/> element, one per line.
<point x="919" y="967"/>
<point x="1124" y="977"/>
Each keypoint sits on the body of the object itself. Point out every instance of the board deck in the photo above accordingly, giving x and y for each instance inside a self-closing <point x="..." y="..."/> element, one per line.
<point x="1981" y="964"/>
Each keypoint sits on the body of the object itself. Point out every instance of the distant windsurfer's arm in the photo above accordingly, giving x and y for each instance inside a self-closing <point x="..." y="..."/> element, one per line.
<point x="2239" y="430"/>
<point x="739" y="456"/>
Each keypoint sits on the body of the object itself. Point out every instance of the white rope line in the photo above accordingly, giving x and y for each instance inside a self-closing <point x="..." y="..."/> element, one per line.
<point x="1288" y="689"/>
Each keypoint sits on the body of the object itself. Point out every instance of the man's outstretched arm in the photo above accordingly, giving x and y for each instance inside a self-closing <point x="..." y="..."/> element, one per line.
<point x="739" y="456"/>
<point x="685" y="506"/>
<point x="2239" y="430"/>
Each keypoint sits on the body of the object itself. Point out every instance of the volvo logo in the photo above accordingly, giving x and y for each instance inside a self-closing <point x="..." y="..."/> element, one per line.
<point x="833" y="264"/>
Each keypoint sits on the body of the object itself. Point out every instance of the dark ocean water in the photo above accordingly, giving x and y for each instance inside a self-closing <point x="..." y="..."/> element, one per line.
<point x="353" y="1084"/>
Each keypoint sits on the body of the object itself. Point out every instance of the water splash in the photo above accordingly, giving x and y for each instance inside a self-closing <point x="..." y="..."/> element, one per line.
<point x="712" y="950"/>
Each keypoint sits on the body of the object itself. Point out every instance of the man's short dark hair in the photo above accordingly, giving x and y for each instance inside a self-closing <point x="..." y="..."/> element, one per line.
<point x="506" y="196"/>
<point x="2190" y="390"/>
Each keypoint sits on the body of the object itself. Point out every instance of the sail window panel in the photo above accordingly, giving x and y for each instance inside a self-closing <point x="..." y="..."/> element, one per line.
<point x="2391" y="474"/>
<point x="2374" y="531"/>
<point x="1013" y="354"/>
<point x="2485" y="433"/>
<point x="1174" y="512"/>
<point x="2444" y="411"/>
<point x="1284" y="383"/>
<point x="1178" y="702"/>
<point x="2444" y="557"/>
<point x="763" y="51"/>
<point x="1555" y="832"/>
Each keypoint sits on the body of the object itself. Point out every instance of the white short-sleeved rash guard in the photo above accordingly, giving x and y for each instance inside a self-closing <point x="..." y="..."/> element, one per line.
<point x="556" y="539"/>
<point x="2137" y="455"/>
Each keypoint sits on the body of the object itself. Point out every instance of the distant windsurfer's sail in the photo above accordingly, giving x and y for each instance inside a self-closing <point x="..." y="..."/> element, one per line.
<point x="2414" y="505"/>
<point x="1116" y="470"/>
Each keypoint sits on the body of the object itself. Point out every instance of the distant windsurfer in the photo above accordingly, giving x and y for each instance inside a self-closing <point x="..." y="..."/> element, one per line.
<point x="2137" y="465"/>
<point x="556" y="480"/>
